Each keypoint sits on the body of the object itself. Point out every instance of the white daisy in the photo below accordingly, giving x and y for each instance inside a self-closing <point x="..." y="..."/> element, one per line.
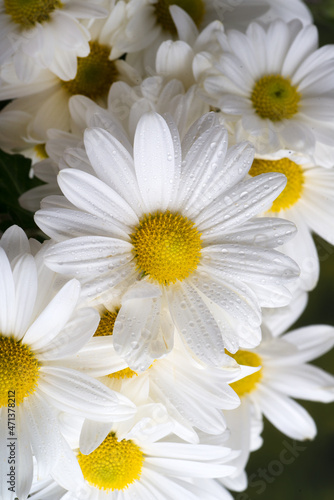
<point x="45" y="34"/>
<point x="43" y="101"/>
<point x="178" y="244"/>
<point x="275" y="85"/>
<point x="284" y="373"/>
<point x="126" y="105"/>
<point x="308" y="201"/>
<point x="143" y="461"/>
<point x="40" y="323"/>
<point x="193" y="394"/>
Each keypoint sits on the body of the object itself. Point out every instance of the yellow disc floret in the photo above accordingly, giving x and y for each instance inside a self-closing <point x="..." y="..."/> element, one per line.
<point x="41" y="151"/>
<point x="167" y="247"/>
<point x="106" y="327"/>
<point x="106" y="324"/>
<point x="113" y="465"/>
<point x="27" y="13"/>
<point x="247" y="384"/>
<point x="18" y="370"/>
<point x="295" y="180"/>
<point x="194" y="8"/>
<point x="274" y="97"/>
<point x="95" y="73"/>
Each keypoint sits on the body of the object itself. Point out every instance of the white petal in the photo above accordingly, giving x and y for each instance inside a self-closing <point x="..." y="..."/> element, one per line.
<point x="92" y="435"/>
<point x="303" y="382"/>
<point x="240" y="203"/>
<point x="83" y="396"/>
<point x="94" y="196"/>
<point x="44" y="432"/>
<point x="279" y="320"/>
<point x="230" y="297"/>
<point x="186" y="28"/>
<point x="266" y="232"/>
<point x="113" y="164"/>
<point x="25" y="277"/>
<point x="7" y="295"/>
<point x="196" y="324"/>
<point x="142" y="316"/>
<point x="97" y="358"/>
<point x="24" y="461"/>
<point x="61" y="224"/>
<point x="154" y="162"/>
<point x="203" y="171"/>
<point x="88" y="255"/>
<point x="73" y="337"/>
<point x="54" y="317"/>
<point x="311" y="342"/>
<point x="250" y="264"/>
<point x="14" y="241"/>
<point x="184" y="468"/>
<point x="285" y="414"/>
<point x="303" y="251"/>
<point x="67" y="472"/>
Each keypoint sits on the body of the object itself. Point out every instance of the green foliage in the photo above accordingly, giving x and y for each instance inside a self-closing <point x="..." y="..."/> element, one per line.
<point x="14" y="181"/>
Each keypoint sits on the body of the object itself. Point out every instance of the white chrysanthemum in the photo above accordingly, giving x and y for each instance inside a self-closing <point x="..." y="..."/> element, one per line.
<point x="275" y="85"/>
<point x="308" y="201"/>
<point x="143" y="461"/>
<point x="43" y="102"/>
<point x="193" y="394"/>
<point x="284" y="373"/>
<point x="170" y="229"/>
<point x="126" y="105"/>
<point x="45" y="34"/>
<point x="37" y="327"/>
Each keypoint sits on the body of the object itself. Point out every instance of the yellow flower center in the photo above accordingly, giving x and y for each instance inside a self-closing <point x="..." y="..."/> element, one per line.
<point x="113" y="465"/>
<point x="195" y="9"/>
<point x="29" y="12"/>
<point x="295" y="180"/>
<point x="249" y="383"/>
<point x="18" y="370"/>
<point x="167" y="247"/>
<point x="41" y="151"/>
<point x="106" y="327"/>
<point x="95" y="73"/>
<point x="274" y="97"/>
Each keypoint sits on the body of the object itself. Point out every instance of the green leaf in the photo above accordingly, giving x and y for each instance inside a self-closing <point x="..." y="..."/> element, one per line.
<point x="14" y="181"/>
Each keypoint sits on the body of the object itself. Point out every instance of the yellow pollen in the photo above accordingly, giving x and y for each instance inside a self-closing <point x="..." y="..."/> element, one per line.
<point x="113" y="465"/>
<point x="249" y="383"/>
<point x="41" y="151"/>
<point x="295" y="180"/>
<point x="167" y="247"/>
<point x="95" y="73"/>
<point x="194" y="8"/>
<point x="106" y="327"/>
<point x="18" y="370"/>
<point x="274" y="97"/>
<point x="106" y="324"/>
<point x="27" y="13"/>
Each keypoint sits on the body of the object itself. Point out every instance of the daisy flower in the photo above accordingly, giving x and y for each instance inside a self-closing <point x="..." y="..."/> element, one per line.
<point x="284" y="373"/>
<point x="275" y="85"/>
<point x="126" y="105"/>
<point x="308" y="201"/>
<point x="178" y="381"/>
<point x="45" y="34"/>
<point x="143" y="461"/>
<point x="43" y="101"/>
<point x="177" y="244"/>
<point x="40" y="323"/>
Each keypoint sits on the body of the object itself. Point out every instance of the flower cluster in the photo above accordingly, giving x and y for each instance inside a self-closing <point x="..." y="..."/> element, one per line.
<point x="186" y="153"/>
